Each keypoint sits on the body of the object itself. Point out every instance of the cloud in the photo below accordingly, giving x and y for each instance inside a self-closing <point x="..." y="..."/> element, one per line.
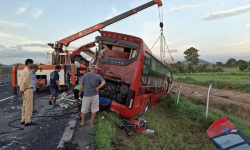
<point x="186" y="7"/>
<point x="14" y="24"/>
<point x="222" y="3"/>
<point x="37" y="12"/>
<point x="227" y="13"/>
<point x="18" y="52"/>
<point x="113" y="13"/>
<point x="238" y="43"/>
<point x="6" y="35"/>
<point x="35" y="45"/>
<point x="173" y="51"/>
<point x="247" y="25"/>
<point x="22" y="9"/>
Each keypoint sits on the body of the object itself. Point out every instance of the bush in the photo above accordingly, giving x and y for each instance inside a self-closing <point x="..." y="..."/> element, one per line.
<point x="218" y="69"/>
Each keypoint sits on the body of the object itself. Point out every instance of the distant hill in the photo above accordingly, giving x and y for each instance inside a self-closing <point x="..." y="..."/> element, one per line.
<point x="3" y="66"/>
<point x="9" y="66"/>
<point x="200" y="62"/>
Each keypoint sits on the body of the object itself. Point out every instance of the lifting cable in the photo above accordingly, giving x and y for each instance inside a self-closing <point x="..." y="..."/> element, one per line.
<point x="163" y="43"/>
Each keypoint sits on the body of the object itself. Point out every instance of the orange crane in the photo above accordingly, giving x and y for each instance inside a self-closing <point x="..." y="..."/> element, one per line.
<point x="65" y="58"/>
<point x="66" y="41"/>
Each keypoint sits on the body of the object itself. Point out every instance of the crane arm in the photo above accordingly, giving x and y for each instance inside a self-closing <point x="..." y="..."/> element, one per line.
<point x="66" y="41"/>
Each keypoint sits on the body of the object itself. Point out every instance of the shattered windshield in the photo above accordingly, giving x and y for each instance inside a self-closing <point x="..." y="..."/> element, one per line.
<point x="230" y="140"/>
<point x="116" y="52"/>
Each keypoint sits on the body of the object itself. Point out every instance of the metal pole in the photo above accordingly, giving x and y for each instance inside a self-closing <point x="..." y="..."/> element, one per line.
<point x="208" y="95"/>
<point x="179" y="93"/>
<point x="168" y="91"/>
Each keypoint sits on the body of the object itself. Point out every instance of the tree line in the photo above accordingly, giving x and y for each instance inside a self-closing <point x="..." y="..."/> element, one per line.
<point x="192" y="56"/>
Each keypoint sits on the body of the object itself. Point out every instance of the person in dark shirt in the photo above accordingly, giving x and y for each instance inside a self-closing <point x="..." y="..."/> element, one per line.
<point x="54" y="85"/>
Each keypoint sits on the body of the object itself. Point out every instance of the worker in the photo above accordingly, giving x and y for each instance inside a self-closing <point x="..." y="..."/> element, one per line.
<point x="26" y="90"/>
<point x="104" y="104"/>
<point x="54" y="85"/>
<point x="91" y="84"/>
<point x="33" y="77"/>
<point x="76" y="95"/>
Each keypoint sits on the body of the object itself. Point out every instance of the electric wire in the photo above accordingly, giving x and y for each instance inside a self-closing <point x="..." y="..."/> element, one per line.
<point x="168" y="48"/>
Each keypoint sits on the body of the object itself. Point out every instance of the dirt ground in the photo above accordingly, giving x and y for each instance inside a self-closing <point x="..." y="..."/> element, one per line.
<point x="238" y="102"/>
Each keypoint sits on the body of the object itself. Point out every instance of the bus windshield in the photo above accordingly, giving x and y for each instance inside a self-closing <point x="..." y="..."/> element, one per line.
<point x="116" y="54"/>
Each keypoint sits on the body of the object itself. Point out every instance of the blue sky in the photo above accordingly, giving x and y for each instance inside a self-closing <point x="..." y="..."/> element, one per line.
<point x="219" y="29"/>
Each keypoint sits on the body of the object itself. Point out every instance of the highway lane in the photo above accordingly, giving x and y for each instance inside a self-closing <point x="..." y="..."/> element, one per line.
<point x="10" y="109"/>
<point x="5" y="91"/>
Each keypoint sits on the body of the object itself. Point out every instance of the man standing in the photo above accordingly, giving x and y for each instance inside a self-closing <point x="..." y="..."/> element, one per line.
<point x="91" y="84"/>
<point x="33" y="77"/>
<point x="54" y="84"/>
<point x="26" y="89"/>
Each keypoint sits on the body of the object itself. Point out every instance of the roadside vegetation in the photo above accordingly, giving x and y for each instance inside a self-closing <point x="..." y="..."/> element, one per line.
<point x="181" y="126"/>
<point x="231" y="78"/>
<point x="234" y="74"/>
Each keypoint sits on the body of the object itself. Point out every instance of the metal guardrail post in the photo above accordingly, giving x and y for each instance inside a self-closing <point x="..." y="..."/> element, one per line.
<point x="168" y="91"/>
<point x="208" y="95"/>
<point x="179" y="94"/>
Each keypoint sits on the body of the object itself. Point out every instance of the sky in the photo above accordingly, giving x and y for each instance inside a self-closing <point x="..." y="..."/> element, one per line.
<point x="219" y="29"/>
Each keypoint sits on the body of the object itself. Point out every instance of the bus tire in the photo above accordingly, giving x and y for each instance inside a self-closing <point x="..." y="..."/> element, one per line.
<point x="147" y="106"/>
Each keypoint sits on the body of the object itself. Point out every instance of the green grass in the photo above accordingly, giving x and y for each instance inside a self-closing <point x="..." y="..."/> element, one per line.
<point x="179" y="127"/>
<point x="104" y="133"/>
<point x="231" y="79"/>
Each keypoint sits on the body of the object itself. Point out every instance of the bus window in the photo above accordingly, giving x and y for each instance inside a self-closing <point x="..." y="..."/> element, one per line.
<point x="115" y="52"/>
<point x="154" y="71"/>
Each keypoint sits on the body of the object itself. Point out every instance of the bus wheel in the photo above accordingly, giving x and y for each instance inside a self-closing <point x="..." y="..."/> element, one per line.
<point x="147" y="106"/>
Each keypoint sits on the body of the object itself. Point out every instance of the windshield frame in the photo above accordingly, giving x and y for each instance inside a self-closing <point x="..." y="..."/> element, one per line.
<point x="117" y="42"/>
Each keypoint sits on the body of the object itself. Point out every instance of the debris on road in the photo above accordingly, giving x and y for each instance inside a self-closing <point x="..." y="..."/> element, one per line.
<point x="149" y="131"/>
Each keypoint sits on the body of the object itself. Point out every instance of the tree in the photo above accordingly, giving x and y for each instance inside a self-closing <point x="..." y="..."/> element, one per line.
<point x="219" y="64"/>
<point x="231" y="63"/>
<point x="243" y="65"/>
<point x="192" y="57"/>
<point x="202" y="67"/>
<point x="180" y="67"/>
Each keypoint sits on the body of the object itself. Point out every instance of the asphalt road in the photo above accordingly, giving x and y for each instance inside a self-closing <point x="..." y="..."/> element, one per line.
<point x="45" y="135"/>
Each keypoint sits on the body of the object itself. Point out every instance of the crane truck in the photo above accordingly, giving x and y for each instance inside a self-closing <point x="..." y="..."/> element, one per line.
<point x="72" y="63"/>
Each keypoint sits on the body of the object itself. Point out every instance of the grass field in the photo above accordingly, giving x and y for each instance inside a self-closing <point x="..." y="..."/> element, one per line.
<point x="179" y="127"/>
<point x="230" y="78"/>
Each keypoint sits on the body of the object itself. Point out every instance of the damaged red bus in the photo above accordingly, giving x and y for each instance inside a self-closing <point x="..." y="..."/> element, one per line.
<point x="135" y="78"/>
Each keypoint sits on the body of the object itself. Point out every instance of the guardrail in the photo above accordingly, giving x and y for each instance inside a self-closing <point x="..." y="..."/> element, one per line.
<point x="5" y="75"/>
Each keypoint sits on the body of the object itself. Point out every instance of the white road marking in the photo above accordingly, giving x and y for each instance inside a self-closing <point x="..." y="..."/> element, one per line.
<point x="5" y="84"/>
<point x="6" y="98"/>
<point x="68" y="133"/>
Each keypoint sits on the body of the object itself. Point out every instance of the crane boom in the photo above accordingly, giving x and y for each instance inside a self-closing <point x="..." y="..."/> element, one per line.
<point x="66" y="41"/>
